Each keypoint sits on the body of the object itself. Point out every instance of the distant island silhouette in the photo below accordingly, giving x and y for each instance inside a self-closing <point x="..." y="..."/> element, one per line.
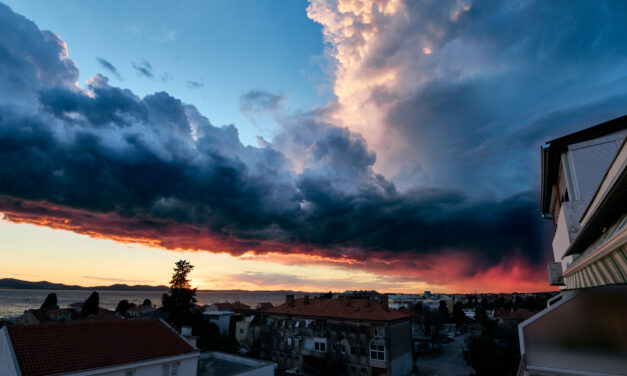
<point x="18" y="284"/>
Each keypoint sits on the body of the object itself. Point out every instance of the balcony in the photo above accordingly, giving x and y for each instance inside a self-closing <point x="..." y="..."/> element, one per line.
<point x="584" y="333"/>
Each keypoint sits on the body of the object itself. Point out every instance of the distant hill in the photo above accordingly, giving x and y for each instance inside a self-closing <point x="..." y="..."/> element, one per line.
<point x="11" y="283"/>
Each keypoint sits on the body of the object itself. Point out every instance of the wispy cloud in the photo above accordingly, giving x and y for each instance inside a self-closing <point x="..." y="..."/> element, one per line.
<point x="164" y="36"/>
<point x="144" y="68"/>
<point x="195" y="85"/>
<point x="106" y="64"/>
<point x="260" y="100"/>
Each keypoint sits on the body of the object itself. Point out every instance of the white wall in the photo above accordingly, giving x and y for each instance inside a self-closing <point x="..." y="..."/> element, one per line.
<point x="187" y="367"/>
<point x="7" y="364"/>
<point x="222" y="321"/>
<point x="561" y="238"/>
<point x="402" y="366"/>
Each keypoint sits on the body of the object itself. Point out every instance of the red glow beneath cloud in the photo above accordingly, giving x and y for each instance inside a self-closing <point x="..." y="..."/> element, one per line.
<point x="445" y="271"/>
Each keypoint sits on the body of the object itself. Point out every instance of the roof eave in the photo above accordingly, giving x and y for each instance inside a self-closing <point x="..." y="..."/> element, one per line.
<point x="545" y="197"/>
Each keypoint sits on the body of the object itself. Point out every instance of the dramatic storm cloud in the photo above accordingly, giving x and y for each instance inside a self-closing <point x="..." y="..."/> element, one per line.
<point x="449" y="92"/>
<point x="423" y="168"/>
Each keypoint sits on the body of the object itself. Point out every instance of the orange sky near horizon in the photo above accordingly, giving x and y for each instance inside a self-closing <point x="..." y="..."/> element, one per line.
<point x="37" y="253"/>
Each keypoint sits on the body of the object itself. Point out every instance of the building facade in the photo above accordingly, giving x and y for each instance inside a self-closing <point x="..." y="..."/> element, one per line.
<point x="357" y="335"/>
<point x="584" y="192"/>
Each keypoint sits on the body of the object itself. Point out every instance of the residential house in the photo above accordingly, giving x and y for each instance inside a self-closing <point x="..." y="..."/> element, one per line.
<point x="222" y="319"/>
<point x="263" y="306"/>
<point x="359" y="334"/>
<point x="236" y="307"/>
<point x="246" y="330"/>
<point x="34" y="316"/>
<point x="141" y="311"/>
<point x="583" y="330"/>
<point x="107" y="348"/>
<point x="78" y="306"/>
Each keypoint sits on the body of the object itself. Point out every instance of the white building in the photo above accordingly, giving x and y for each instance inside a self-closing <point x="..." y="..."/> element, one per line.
<point x="428" y="301"/>
<point x="408" y="301"/>
<point x="220" y="364"/>
<point x="583" y="330"/>
<point x="222" y="319"/>
<point x="139" y="347"/>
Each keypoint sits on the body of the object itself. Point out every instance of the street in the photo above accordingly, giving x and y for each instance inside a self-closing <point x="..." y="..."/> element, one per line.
<point x="449" y="363"/>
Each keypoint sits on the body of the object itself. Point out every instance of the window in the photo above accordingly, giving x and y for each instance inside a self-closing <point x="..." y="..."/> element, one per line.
<point x="241" y="330"/>
<point x="378" y="331"/>
<point x="170" y="369"/>
<point x="363" y="352"/>
<point x="289" y="342"/>
<point x="343" y="349"/>
<point x="320" y="345"/>
<point x="334" y="347"/>
<point x="377" y="352"/>
<point x="352" y="350"/>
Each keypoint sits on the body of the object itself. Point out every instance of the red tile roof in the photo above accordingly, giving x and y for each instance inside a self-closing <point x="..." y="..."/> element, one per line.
<point x="57" y="348"/>
<point x="359" y="309"/>
<point x="264" y="306"/>
<point x="235" y="307"/>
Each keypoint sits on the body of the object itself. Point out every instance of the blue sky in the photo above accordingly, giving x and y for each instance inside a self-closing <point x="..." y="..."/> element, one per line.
<point x="229" y="47"/>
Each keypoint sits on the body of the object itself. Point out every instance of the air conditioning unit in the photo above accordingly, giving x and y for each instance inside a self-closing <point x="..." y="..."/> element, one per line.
<point x="555" y="274"/>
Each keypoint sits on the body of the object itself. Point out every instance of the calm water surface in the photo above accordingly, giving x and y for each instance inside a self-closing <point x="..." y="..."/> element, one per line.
<point x="15" y="302"/>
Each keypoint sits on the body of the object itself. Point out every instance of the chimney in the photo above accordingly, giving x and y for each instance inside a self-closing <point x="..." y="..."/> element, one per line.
<point x="186" y="333"/>
<point x="306" y="299"/>
<point x="289" y="299"/>
<point x="384" y="301"/>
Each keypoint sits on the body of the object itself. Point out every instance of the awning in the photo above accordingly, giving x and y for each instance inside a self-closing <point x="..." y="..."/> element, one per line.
<point x="604" y="262"/>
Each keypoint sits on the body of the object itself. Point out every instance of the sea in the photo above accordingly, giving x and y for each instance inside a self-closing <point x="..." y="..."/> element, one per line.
<point x="14" y="302"/>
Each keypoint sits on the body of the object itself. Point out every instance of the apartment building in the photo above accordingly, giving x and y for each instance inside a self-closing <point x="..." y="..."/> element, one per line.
<point x="583" y="330"/>
<point x="359" y="334"/>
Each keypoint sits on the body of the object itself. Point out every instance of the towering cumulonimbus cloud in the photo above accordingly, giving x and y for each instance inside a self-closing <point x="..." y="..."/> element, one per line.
<point x="104" y="162"/>
<point x="454" y="92"/>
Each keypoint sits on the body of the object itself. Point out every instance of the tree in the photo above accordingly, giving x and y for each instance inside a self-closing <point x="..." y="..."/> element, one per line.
<point x="91" y="305"/>
<point x="123" y="307"/>
<point x="459" y="317"/>
<point x="147" y="302"/>
<point x="50" y="302"/>
<point x="182" y="295"/>
<point x="443" y="310"/>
